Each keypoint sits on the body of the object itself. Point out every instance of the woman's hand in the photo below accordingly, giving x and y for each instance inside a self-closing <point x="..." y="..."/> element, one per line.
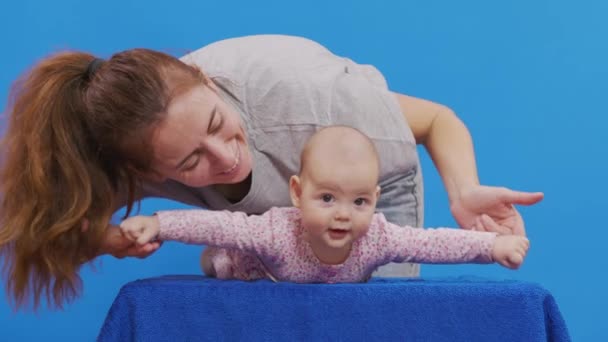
<point x="120" y="246"/>
<point x="492" y="209"/>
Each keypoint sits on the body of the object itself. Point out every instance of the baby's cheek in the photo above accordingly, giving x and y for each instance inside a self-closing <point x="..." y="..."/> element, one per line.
<point x="313" y="218"/>
<point x="362" y="227"/>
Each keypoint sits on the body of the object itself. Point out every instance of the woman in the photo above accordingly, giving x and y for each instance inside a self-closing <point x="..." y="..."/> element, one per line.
<point x="222" y="128"/>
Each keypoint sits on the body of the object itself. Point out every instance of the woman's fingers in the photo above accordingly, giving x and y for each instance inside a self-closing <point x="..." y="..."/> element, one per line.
<point x="520" y="197"/>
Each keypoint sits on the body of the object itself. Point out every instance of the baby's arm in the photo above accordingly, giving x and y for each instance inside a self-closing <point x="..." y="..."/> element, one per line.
<point x="449" y="246"/>
<point x="216" y="228"/>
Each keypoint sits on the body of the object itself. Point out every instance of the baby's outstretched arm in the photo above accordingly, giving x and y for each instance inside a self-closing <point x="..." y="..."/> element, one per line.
<point x="140" y="229"/>
<point x="510" y="250"/>
<point x="220" y="228"/>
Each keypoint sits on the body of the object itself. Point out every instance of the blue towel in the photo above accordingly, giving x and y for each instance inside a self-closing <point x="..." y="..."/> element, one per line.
<point x="196" y="308"/>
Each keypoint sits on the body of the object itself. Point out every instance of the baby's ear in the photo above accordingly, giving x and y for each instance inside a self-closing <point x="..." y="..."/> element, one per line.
<point x="295" y="190"/>
<point x="377" y="193"/>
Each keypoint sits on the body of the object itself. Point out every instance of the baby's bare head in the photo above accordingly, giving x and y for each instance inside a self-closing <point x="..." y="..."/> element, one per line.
<point x="339" y="147"/>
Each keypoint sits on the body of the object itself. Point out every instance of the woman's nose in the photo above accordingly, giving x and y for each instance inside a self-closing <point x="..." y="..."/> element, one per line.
<point x="220" y="152"/>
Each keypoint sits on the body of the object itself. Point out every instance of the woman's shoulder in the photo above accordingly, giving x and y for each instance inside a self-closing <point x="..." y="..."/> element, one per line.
<point x="250" y="53"/>
<point x="263" y="44"/>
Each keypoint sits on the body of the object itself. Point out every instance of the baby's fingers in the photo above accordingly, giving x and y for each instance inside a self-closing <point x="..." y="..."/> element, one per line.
<point x="523" y="246"/>
<point x="130" y="235"/>
<point x="146" y="236"/>
<point x="515" y="260"/>
<point x="128" y="231"/>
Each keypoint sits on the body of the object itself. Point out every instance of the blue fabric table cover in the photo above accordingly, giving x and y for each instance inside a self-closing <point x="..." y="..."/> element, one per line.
<point x="197" y="308"/>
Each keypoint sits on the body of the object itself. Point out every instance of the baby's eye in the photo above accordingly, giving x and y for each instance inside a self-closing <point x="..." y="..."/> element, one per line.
<point x="327" y="198"/>
<point x="360" y="201"/>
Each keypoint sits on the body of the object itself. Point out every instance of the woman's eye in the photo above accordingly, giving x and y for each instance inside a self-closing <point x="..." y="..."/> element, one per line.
<point x="327" y="198"/>
<point x="217" y="123"/>
<point x="190" y="167"/>
<point x="360" y="201"/>
<point x="194" y="163"/>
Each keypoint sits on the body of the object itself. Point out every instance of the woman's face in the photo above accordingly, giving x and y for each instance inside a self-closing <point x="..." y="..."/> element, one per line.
<point x="201" y="142"/>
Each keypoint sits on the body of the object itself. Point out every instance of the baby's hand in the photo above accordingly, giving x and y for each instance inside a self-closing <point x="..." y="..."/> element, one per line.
<point x="140" y="229"/>
<point x="510" y="250"/>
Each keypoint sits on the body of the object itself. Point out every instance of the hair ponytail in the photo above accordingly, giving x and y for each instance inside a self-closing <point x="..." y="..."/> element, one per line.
<point x="49" y="167"/>
<point x="78" y="137"/>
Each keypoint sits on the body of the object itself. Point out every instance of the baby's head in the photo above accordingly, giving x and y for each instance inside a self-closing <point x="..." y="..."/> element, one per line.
<point x="337" y="187"/>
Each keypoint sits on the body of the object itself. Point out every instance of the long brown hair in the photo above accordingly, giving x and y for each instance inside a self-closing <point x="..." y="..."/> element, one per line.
<point x="76" y="138"/>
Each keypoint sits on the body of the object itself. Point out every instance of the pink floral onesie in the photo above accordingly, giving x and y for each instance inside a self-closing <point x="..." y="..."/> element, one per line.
<point x="271" y="245"/>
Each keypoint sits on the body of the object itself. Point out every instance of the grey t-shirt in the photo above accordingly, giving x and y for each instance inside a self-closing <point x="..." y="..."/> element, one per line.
<point x="285" y="88"/>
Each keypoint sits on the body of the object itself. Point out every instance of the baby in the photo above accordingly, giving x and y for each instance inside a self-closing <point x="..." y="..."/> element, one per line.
<point x="332" y="234"/>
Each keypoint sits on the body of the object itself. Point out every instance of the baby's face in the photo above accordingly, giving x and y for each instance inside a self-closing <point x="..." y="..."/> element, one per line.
<point x="337" y="202"/>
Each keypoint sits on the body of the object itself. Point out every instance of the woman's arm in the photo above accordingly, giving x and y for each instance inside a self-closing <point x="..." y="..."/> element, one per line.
<point x="446" y="139"/>
<point x="450" y="146"/>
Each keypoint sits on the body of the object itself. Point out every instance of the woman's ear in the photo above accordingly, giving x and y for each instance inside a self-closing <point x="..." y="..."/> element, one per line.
<point x="295" y="190"/>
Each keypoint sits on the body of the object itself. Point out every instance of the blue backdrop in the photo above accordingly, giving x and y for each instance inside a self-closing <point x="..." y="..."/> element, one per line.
<point x="527" y="77"/>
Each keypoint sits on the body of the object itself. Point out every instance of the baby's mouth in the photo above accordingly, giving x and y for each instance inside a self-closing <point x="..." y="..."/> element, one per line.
<point x="337" y="233"/>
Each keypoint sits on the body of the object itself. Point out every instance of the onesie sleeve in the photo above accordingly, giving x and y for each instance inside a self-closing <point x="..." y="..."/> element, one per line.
<point x="237" y="230"/>
<point x="436" y="246"/>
